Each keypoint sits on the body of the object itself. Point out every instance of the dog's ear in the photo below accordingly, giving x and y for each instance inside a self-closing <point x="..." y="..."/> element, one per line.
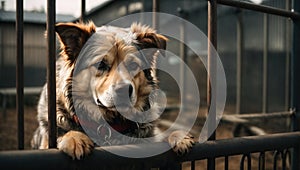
<point x="72" y="38"/>
<point x="152" y="40"/>
<point x="152" y="45"/>
<point x="147" y="37"/>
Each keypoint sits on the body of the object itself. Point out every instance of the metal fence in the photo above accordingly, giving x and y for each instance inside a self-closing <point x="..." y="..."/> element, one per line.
<point x="284" y="146"/>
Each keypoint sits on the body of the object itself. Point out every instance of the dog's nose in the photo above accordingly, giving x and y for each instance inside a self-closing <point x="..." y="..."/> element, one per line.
<point x="124" y="89"/>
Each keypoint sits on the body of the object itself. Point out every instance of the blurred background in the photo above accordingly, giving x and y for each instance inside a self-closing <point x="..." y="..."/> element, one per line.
<point x="275" y="45"/>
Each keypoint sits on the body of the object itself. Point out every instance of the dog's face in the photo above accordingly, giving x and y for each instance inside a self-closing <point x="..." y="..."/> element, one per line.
<point x="116" y="66"/>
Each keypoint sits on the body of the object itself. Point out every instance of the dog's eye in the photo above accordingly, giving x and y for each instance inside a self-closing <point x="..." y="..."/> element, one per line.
<point x="102" y="66"/>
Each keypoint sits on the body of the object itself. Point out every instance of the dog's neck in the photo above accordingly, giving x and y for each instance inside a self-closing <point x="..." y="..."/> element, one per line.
<point x="121" y="126"/>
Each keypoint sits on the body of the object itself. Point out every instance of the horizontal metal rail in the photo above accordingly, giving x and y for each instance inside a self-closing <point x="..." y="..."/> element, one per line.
<point x="243" y="145"/>
<point x="260" y="8"/>
<point x="101" y="157"/>
<point x="265" y="115"/>
<point x="243" y="118"/>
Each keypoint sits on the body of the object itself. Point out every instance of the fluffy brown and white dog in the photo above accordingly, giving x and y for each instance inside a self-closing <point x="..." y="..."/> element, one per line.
<point x="97" y="70"/>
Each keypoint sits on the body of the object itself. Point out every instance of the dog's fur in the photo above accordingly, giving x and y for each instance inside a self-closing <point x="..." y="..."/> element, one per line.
<point x="92" y="88"/>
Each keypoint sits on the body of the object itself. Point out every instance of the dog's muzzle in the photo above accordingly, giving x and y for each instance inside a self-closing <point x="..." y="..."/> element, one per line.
<point x="121" y="96"/>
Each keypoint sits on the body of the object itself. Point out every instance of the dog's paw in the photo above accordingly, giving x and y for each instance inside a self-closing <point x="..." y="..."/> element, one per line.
<point x="181" y="142"/>
<point x="75" y="144"/>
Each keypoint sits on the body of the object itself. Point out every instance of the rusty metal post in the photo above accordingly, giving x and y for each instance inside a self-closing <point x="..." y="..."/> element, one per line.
<point x="82" y="17"/>
<point x="212" y="44"/>
<point x="20" y="73"/>
<point x="51" y="84"/>
<point x="155" y="9"/>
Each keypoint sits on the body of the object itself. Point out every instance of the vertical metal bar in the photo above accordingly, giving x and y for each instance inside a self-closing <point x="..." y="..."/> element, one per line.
<point x="226" y="163"/>
<point x="239" y="55"/>
<point x="249" y="162"/>
<point x="261" y="161"/>
<point x="193" y="165"/>
<point x="155" y="9"/>
<point x="248" y="156"/>
<point x="283" y="160"/>
<point x="295" y="94"/>
<point x="51" y="86"/>
<point x="265" y="64"/>
<point x="212" y="44"/>
<point x="242" y="163"/>
<point x="19" y="73"/>
<point x="286" y="156"/>
<point x="182" y="54"/>
<point x="288" y="56"/>
<point x="82" y="17"/>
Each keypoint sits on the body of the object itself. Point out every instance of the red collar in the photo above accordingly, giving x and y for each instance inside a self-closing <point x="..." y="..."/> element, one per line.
<point x="121" y="127"/>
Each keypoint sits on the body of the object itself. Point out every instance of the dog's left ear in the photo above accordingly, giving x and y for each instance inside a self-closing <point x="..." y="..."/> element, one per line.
<point x="73" y="37"/>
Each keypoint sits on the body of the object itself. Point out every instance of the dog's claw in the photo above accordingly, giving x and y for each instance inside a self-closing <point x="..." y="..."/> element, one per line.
<point x="181" y="142"/>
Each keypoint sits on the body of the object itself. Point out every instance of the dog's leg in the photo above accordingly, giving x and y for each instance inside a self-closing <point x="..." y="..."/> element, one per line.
<point x="181" y="142"/>
<point x="40" y="139"/>
<point x="76" y="144"/>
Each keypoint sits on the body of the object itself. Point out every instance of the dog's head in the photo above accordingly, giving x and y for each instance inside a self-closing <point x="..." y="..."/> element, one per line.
<point x="115" y="66"/>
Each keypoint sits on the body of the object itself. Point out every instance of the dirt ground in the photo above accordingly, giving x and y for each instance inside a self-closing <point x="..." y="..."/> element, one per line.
<point x="8" y="138"/>
<point x="9" y="128"/>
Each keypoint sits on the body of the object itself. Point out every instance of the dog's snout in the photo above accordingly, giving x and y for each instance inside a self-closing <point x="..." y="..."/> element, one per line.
<point x="124" y="89"/>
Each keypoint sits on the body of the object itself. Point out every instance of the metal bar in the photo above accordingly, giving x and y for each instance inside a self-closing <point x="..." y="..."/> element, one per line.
<point x="183" y="56"/>
<point x="260" y="115"/>
<point x="239" y="54"/>
<point x="285" y="157"/>
<point x="82" y="16"/>
<point x="211" y="71"/>
<point x="20" y="73"/>
<point x="155" y="9"/>
<point x="51" y="85"/>
<point x="265" y="64"/>
<point x="248" y="156"/>
<point x="295" y="81"/>
<point x="283" y="160"/>
<point x="260" y="8"/>
<point x="226" y="163"/>
<point x="236" y="146"/>
<point x="193" y="165"/>
<point x="212" y="45"/>
<point x="261" y="161"/>
<point x="103" y="157"/>
<point x="287" y="56"/>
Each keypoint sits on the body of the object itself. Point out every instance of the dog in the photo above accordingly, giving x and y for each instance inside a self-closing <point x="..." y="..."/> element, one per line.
<point x="97" y="70"/>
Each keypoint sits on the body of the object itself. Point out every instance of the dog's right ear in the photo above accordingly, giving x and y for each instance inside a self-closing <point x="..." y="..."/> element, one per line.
<point x="72" y="37"/>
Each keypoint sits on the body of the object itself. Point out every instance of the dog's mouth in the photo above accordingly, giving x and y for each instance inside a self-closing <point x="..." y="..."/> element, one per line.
<point x="118" y="106"/>
<point x="99" y="103"/>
